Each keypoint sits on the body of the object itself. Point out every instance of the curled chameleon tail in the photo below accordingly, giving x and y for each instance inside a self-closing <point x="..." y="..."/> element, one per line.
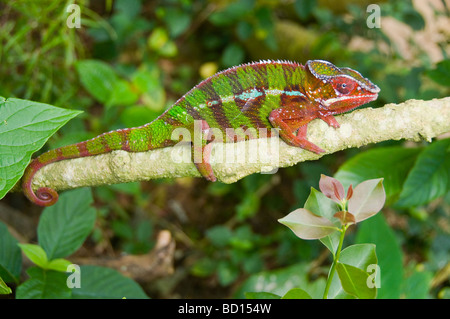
<point x="104" y="143"/>
<point x="45" y="196"/>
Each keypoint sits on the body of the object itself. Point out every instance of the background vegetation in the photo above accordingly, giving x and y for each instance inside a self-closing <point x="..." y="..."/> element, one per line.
<point x="131" y="59"/>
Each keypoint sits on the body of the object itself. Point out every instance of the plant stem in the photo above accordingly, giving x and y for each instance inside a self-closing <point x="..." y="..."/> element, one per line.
<point x="335" y="261"/>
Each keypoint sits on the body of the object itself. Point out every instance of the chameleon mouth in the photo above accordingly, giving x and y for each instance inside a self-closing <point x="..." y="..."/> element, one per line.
<point x="375" y="89"/>
<point x="366" y="98"/>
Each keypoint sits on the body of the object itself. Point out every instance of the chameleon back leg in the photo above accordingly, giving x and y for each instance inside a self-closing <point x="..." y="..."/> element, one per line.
<point x="201" y="151"/>
<point x="203" y="165"/>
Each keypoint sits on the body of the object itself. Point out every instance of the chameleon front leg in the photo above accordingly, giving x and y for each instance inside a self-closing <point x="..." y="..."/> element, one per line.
<point x="290" y="119"/>
<point x="329" y="119"/>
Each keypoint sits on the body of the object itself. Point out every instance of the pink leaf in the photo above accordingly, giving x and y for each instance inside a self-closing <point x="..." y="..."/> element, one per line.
<point x="350" y="192"/>
<point x="331" y="188"/>
<point x="345" y="217"/>
<point x="367" y="200"/>
<point x="307" y="225"/>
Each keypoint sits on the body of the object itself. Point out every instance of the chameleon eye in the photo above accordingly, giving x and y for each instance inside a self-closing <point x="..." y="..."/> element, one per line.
<point x="344" y="87"/>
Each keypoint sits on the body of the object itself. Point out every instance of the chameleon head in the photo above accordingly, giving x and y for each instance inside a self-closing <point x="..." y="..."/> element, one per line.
<point x="339" y="89"/>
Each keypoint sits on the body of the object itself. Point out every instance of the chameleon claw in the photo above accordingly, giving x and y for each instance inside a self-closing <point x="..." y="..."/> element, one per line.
<point x="330" y="120"/>
<point x="206" y="171"/>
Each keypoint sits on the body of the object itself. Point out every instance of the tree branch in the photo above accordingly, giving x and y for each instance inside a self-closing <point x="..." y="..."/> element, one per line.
<point x="412" y="120"/>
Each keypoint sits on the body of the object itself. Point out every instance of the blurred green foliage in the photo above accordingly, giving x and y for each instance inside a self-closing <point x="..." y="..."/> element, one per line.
<point x="132" y="59"/>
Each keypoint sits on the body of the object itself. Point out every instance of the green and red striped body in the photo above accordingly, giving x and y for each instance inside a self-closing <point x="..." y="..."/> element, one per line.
<point x="261" y="95"/>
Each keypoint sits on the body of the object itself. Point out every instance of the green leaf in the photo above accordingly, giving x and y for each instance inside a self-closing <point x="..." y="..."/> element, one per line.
<point x="98" y="78"/>
<point x="105" y="283"/>
<point x="296" y="293"/>
<point x="444" y="293"/>
<point x="242" y="238"/>
<point x="219" y="236"/>
<point x="354" y="281"/>
<point x="10" y="256"/>
<point x="233" y="55"/>
<point x="331" y="241"/>
<point x="248" y="206"/>
<point x="244" y="30"/>
<point x="169" y="50"/>
<point x="231" y="13"/>
<point x="430" y="176"/>
<point x="203" y="267"/>
<point x="441" y="74"/>
<point x="64" y="226"/>
<point x="261" y="295"/>
<point x="36" y="254"/>
<point x="155" y="95"/>
<point x="368" y="198"/>
<point x="122" y="94"/>
<point x="227" y="272"/>
<point x="390" y="258"/>
<point x="25" y="126"/>
<point x="304" y="8"/>
<point x="129" y="8"/>
<point x="390" y="163"/>
<point x="177" y="20"/>
<point x="361" y="256"/>
<point x="417" y="285"/>
<point x="306" y="225"/>
<point x="134" y="116"/>
<point x="4" y="289"/>
<point x="251" y="263"/>
<point x="58" y="264"/>
<point x="321" y="205"/>
<point x="413" y="19"/>
<point x="44" y="284"/>
<point x="159" y="41"/>
<point x="280" y="281"/>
